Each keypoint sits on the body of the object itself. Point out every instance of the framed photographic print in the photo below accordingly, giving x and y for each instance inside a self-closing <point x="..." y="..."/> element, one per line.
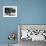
<point x="32" y="32"/>
<point x="9" y="11"/>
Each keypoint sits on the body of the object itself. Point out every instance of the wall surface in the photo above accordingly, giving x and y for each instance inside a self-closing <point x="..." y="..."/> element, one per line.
<point x="7" y="25"/>
<point x="29" y="12"/>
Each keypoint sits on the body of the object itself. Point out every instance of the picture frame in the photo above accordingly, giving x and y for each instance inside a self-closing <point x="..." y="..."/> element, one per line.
<point x="9" y="11"/>
<point x="39" y="28"/>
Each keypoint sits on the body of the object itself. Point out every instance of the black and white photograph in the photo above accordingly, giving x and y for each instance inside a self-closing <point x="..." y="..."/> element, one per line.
<point x="9" y="11"/>
<point x="27" y="34"/>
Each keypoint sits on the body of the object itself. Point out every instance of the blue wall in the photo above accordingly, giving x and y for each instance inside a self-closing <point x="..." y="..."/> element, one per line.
<point x="29" y="12"/>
